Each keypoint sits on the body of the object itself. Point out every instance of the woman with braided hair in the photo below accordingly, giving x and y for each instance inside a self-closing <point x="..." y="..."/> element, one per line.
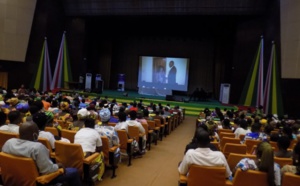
<point x="264" y="162"/>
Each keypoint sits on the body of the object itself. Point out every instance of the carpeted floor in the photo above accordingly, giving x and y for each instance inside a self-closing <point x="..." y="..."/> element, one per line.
<point x="158" y="167"/>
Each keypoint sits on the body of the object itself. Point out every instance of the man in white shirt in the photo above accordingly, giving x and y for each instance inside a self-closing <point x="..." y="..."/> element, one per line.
<point x="203" y="155"/>
<point x="133" y="122"/>
<point x="88" y="137"/>
<point x="14" y="121"/>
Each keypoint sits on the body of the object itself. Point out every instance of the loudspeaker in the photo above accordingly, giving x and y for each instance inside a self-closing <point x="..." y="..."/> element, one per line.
<point x="169" y="98"/>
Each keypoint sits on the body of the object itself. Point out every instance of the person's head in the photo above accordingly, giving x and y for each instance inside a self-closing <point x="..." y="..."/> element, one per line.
<point x="139" y="115"/>
<point x="211" y="127"/>
<point x="256" y="127"/>
<point x="146" y="112"/>
<point x="82" y="114"/>
<point x="122" y="116"/>
<point x="132" y="114"/>
<point x="287" y="131"/>
<point x="265" y="157"/>
<point x="243" y="124"/>
<point x="40" y="119"/>
<point x="33" y="109"/>
<point x="89" y="123"/>
<point x="54" y="103"/>
<point x="202" y="137"/>
<point x="39" y="104"/>
<point x="161" y="69"/>
<point x="64" y="106"/>
<point x="14" y="117"/>
<point x="2" y="118"/>
<point x="226" y="124"/>
<point x="29" y="131"/>
<point x="268" y="128"/>
<point x="171" y="63"/>
<point x="283" y="143"/>
<point x="274" y="137"/>
<point x="50" y="117"/>
<point x="295" y="128"/>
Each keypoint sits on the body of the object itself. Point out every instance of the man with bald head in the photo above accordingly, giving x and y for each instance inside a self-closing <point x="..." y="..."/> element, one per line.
<point x="27" y="146"/>
<point x="203" y="155"/>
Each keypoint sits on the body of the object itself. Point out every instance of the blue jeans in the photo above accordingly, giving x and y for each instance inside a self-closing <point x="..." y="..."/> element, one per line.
<point x="71" y="176"/>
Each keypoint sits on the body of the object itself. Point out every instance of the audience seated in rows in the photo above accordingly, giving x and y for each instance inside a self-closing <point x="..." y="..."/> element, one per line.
<point x="26" y="146"/>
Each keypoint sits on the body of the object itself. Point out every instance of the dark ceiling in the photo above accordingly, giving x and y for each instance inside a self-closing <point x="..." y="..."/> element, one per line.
<point x="164" y="7"/>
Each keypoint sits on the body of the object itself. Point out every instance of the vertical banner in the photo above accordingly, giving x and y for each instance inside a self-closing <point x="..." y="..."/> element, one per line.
<point x="252" y="94"/>
<point x="62" y="73"/>
<point x="273" y="99"/>
<point x="43" y="78"/>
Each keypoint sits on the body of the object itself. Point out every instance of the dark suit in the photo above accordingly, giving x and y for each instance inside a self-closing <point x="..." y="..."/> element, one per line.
<point x="172" y="75"/>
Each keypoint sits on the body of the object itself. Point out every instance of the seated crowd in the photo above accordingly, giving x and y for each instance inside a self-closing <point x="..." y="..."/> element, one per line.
<point x="275" y="139"/>
<point x="29" y="114"/>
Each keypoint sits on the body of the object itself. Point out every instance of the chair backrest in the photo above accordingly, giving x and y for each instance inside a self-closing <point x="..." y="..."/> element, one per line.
<point x="111" y="124"/>
<point x="70" y="155"/>
<point x="273" y="132"/>
<point x="69" y="134"/>
<point x="145" y="125"/>
<point x="226" y="140"/>
<point x="47" y="144"/>
<point x="290" y="179"/>
<point x="247" y="178"/>
<point x="201" y="176"/>
<point x="233" y="159"/>
<point x="250" y="143"/>
<point x="283" y="161"/>
<point x="234" y="148"/>
<point x="175" y="121"/>
<point x="123" y="137"/>
<point x="224" y="130"/>
<point x="226" y="134"/>
<point x="274" y="144"/>
<point x="157" y="122"/>
<point x="53" y="130"/>
<point x="4" y="136"/>
<point x="242" y="137"/>
<point x="17" y="170"/>
<point x="151" y="124"/>
<point x="293" y="143"/>
<point x="105" y="147"/>
<point x="134" y="132"/>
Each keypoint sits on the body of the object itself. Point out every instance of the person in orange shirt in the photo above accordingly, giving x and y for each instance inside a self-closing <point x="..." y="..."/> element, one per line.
<point x="46" y="104"/>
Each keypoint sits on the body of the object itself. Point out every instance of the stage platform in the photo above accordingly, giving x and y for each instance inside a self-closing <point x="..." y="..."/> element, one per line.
<point x="192" y="108"/>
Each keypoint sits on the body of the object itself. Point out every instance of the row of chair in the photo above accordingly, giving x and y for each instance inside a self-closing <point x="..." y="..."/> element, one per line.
<point x="215" y="176"/>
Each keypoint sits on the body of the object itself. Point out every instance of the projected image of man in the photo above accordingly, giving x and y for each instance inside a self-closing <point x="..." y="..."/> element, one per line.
<point x="172" y="73"/>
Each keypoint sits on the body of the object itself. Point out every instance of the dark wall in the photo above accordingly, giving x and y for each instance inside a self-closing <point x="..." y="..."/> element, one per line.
<point x="115" y="44"/>
<point x="247" y="40"/>
<point x="221" y="48"/>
